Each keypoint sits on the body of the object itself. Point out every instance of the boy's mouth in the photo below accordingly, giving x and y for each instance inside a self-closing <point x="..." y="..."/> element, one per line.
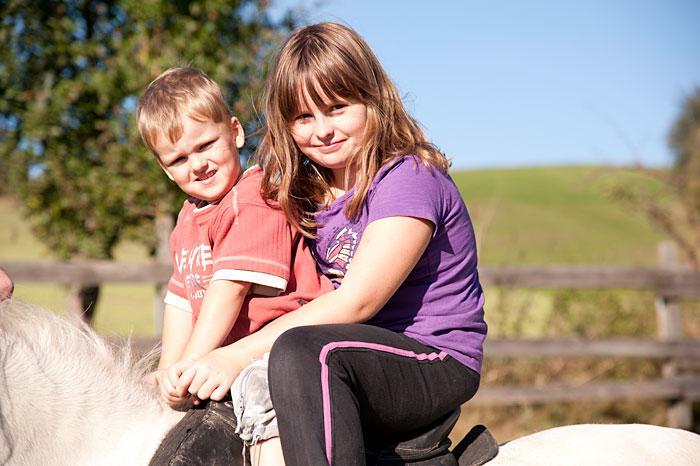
<point x="206" y="176"/>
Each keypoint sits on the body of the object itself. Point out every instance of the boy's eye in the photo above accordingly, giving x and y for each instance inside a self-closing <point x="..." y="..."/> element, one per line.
<point x="206" y="146"/>
<point x="177" y="161"/>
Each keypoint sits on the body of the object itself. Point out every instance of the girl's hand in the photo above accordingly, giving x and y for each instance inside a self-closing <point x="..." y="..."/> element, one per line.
<point x="211" y="376"/>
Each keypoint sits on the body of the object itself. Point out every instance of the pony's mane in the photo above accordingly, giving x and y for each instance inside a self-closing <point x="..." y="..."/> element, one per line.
<point x="61" y="382"/>
<point x="60" y="343"/>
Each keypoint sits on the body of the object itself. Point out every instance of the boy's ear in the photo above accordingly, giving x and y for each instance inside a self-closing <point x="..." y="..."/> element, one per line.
<point x="237" y="132"/>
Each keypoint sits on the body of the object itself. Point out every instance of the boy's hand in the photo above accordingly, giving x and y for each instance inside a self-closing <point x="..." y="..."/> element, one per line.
<point x="152" y="378"/>
<point x="210" y="376"/>
<point x="167" y="381"/>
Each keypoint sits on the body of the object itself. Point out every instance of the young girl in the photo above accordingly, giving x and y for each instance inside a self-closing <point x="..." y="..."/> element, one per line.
<point x="398" y="343"/>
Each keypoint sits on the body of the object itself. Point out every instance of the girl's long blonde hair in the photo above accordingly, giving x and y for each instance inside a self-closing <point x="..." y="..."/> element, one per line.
<point x="329" y="60"/>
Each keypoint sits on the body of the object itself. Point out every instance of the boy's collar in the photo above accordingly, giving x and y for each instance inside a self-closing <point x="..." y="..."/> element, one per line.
<point x="201" y="204"/>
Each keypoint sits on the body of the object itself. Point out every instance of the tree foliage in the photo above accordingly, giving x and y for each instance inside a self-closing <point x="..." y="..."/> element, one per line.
<point x="685" y="142"/>
<point x="70" y="75"/>
<point x="671" y="198"/>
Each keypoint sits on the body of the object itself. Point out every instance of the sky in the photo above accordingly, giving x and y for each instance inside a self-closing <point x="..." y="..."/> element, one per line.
<point x="534" y="83"/>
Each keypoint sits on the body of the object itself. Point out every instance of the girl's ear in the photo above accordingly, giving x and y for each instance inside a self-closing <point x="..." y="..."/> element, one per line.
<point x="237" y="132"/>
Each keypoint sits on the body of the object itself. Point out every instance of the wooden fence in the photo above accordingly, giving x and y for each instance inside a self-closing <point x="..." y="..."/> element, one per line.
<point x="679" y="385"/>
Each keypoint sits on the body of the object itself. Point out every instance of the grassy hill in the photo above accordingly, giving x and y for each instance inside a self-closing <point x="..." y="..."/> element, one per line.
<point x="521" y="216"/>
<point x="554" y="216"/>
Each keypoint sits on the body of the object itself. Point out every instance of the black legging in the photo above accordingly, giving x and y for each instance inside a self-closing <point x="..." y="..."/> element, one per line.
<point x="333" y="386"/>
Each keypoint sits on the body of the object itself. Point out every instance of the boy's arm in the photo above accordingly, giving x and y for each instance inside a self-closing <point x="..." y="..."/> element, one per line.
<point x="220" y="308"/>
<point x="177" y="328"/>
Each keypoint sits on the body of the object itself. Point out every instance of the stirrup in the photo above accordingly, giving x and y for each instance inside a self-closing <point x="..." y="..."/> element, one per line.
<point x="476" y="448"/>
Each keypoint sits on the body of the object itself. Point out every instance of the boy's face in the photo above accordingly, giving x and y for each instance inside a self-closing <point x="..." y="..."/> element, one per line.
<point x="204" y="162"/>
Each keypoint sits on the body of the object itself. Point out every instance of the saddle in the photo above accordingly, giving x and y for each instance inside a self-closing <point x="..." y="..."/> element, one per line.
<point x="207" y="436"/>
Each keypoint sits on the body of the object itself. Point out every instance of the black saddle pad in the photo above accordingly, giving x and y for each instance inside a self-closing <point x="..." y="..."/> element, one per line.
<point x="205" y="436"/>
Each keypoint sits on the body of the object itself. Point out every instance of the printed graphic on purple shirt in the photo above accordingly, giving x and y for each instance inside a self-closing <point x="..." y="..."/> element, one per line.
<point x="340" y="251"/>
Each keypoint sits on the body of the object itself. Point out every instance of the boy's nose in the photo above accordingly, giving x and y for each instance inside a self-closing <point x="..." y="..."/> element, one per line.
<point x="198" y="163"/>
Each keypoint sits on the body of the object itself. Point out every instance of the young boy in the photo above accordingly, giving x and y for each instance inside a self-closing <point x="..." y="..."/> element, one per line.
<point x="237" y="263"/>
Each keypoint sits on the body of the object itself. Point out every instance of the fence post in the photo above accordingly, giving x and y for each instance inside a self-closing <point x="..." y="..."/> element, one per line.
<point x="163" y="226"/>
<point x="670" y="328"/>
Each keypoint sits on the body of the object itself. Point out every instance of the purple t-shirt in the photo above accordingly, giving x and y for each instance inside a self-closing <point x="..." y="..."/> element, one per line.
<point x="441" y="301"/>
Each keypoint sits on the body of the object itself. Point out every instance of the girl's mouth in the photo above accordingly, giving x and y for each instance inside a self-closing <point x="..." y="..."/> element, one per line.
<point x="332" y="147"/>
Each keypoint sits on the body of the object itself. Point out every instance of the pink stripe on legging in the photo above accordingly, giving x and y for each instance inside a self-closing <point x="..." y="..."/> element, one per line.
<point x="325" y="390"/>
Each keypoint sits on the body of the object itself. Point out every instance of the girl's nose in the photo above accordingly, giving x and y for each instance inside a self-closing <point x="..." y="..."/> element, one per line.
<point x="323" y="130"/>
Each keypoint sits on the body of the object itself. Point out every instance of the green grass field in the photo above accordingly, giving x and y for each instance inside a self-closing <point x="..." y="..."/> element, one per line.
<point x="521" y="216"/>
<point x="553" y="216"/>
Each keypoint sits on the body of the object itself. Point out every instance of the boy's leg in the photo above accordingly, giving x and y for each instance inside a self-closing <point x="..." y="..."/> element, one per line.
<point x="335" y="385"/>
<point x="267" y="453"/>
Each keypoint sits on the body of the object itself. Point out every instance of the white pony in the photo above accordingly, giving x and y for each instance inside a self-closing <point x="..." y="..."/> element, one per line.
<point x="68" y="398"/>
<point x="602" y="445"/>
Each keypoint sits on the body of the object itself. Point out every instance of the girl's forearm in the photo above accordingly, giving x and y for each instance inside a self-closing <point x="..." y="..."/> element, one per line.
<point x="368" y="285"/>
<point x="331" y="308"/>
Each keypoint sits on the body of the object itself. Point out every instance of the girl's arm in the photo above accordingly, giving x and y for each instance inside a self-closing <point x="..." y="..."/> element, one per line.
<point x="388" y="251"/>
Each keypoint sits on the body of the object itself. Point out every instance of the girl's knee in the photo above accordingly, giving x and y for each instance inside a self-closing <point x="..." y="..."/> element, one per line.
<point x="292" y="354"/>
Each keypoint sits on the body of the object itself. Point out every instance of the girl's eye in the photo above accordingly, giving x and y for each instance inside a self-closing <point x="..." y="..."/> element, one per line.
<point x="338" y="106"/>
<point x="302" y="117"/>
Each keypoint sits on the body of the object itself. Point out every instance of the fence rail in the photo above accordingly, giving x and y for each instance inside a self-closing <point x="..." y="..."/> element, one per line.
<point x="669" y="282"/>
<point x="679" y="386"/>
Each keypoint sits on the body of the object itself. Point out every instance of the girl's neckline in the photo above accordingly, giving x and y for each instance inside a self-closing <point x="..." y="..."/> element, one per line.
<point x="342" y="197"/>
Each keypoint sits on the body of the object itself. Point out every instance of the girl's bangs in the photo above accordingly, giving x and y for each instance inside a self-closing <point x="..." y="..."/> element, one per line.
<point x="322" y="84"/>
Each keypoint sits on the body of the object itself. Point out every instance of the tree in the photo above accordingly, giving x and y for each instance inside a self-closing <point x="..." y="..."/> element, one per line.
<point x="685" y="142"/>
<point x="70" y="75"/>
<point x="672" y="200"/>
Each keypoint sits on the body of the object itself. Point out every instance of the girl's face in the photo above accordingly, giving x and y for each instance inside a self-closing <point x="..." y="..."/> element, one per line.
<point x="330" y="133"/>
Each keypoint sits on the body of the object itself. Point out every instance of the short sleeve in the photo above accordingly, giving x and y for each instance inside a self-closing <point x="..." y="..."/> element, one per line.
<point x="252" y="243"/>
<point x="176" y="294"/>
<point x="407" y="189"/>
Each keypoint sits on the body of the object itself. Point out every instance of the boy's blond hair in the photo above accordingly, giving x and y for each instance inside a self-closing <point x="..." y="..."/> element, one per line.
<point x="176" y="93"/>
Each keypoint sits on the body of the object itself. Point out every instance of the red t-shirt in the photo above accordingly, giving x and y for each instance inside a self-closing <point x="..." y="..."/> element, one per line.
<point x="242" y="238"/>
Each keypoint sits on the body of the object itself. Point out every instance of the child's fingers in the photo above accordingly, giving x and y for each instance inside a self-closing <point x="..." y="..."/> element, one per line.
<point x="220" y="392"/>
<point x="200" y="377"/>
<point x="207" y="388"/>
<point x="183" y="382"/>
<point x="172" y="376"/>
